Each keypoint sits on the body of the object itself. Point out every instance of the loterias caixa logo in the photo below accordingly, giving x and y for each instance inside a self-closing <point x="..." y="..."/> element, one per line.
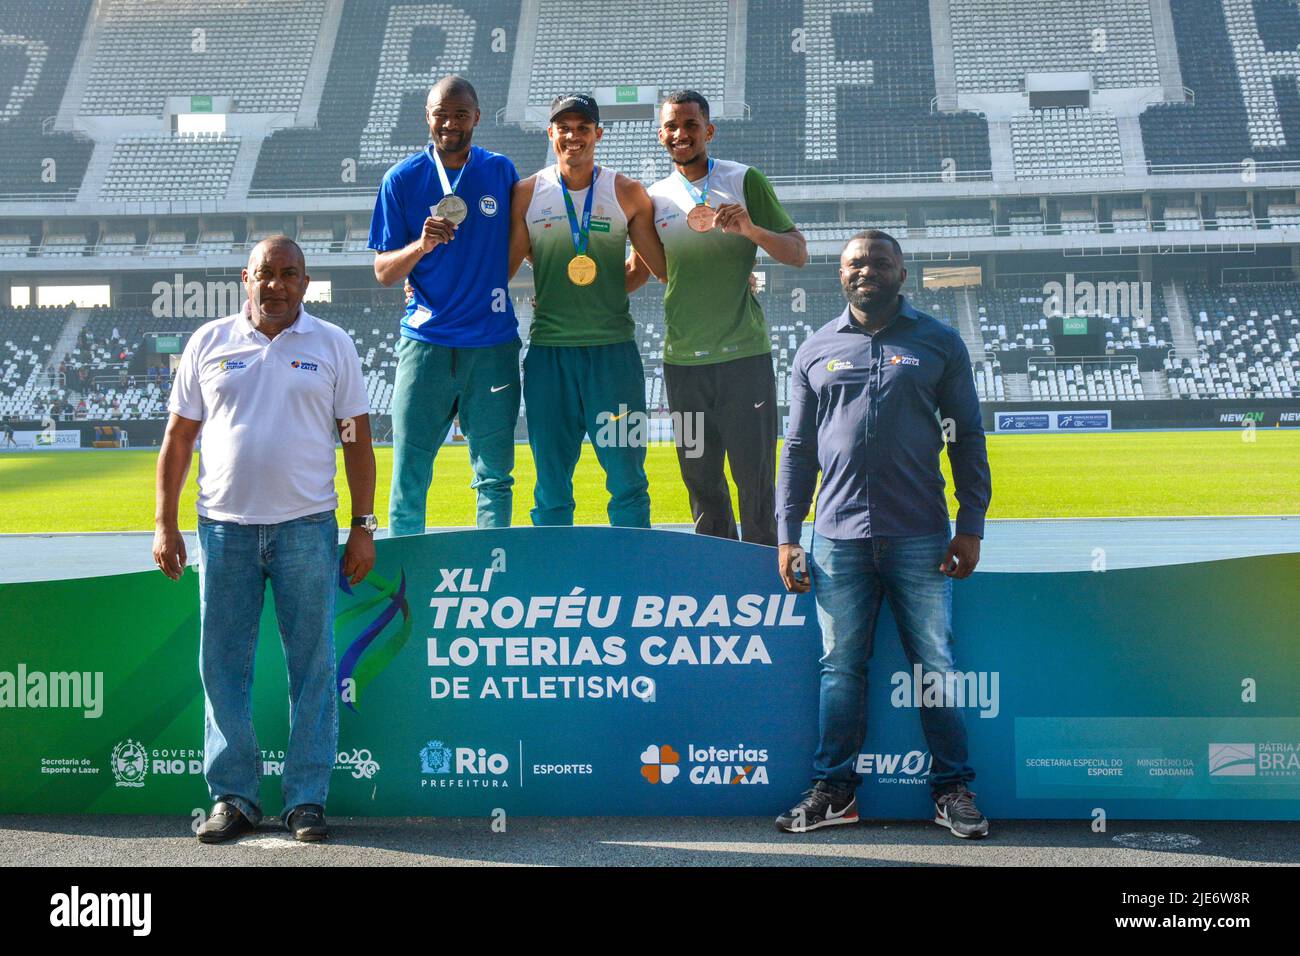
<point x="704" y="765"/>
<point x="366" y="655"/>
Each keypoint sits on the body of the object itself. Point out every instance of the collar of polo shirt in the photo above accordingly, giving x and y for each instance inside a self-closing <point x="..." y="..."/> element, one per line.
<point x="846" y="323"/>
<point x="305" y="322"/>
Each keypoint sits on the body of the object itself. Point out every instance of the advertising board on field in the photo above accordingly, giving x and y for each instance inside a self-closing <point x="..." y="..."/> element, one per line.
<point x="48" y="439"/>
<point x="602" y="671"/>
<point x="1084" y="420"/>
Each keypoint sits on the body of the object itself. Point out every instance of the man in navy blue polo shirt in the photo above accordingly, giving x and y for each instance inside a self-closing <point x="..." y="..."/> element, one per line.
<point x="875" y="396"/>
<point x="442" y="223"/>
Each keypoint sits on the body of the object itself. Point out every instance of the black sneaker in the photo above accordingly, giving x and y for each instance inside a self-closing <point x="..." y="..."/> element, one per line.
<point x="956" y="810"/>
<point x="225" y="822"/>
<point x="307" y="823"/>
<point x="822" y="806"/>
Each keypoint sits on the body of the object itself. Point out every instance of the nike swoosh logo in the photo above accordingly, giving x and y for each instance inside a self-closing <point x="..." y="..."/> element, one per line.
<point x="497" y="388"/>
<point x="832" y="815"/>
<point x="614" y="418"/>
<point x="761" y="404"/>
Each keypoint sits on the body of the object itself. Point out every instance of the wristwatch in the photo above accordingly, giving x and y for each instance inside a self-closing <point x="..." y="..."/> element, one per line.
<point x="369" y="522"/>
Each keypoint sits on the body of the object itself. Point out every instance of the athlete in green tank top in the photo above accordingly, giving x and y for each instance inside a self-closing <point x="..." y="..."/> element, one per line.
<point x="572" y="221"/>
<point x="576" y="209"/>
<point x="568" y="313"/>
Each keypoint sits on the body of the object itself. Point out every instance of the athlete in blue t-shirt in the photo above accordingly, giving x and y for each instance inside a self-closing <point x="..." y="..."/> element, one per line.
<point x="442" y="222"/>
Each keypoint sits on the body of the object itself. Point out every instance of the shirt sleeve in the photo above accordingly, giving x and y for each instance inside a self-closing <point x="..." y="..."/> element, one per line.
<point x="797" y="475"/>
<point x="959" y="411"/>
<point x="186" y="399"/>
<point x="763" y="206"/>
<point x="349" y="385"/>
<point x="387" y="224"/>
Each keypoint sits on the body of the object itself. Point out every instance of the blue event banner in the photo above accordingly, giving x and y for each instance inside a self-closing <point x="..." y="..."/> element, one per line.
<point x="579" y="671"/>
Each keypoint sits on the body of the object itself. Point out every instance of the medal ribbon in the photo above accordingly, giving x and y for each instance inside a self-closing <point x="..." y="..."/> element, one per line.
<point x="699" y="195"/>
<point x="581" y="233"/>
<point x="448" y="187"/>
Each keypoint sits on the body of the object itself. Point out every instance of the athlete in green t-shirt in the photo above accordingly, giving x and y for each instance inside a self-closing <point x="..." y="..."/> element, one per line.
<point x="713" y="216"/>
<point x="583" y="371"/>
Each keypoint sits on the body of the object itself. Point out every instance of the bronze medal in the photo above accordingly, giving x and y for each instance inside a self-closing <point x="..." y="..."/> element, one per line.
<point x="701" y="217"/>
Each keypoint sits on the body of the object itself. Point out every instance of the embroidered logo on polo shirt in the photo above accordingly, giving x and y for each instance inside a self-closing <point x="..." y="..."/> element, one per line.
<point x="488" y="205"/>
<point x="305" y="366"/>
<point x="838" y="365"/>
<point x="228" y="365"/>
<point x="898" y="359"/>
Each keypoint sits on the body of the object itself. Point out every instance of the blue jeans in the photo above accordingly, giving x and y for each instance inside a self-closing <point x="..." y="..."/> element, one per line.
<point x="850" y="579"/>
<point x="435" y="384"/>
<point x="300" y="558"/>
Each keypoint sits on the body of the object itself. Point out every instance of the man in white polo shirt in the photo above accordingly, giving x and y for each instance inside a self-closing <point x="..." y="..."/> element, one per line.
<point x="270" y="388"/>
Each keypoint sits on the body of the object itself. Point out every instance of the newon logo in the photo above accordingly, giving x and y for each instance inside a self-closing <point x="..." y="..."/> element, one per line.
<point x="910" y="767"/>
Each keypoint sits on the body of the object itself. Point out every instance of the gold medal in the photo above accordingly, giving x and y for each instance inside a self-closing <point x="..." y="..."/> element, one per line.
<point x="582" y="270"/>
<point x="701" y="217"/>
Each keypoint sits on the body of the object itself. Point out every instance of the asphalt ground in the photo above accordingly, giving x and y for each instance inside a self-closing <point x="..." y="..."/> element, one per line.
<point x="143" y="841"/>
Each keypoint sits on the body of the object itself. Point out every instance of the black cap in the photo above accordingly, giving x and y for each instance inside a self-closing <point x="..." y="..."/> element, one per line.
<point x="575" y="103"/>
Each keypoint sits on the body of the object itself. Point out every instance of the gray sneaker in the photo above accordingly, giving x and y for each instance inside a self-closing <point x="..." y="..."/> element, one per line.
<point x="956" y="810"/>
<point x="822" y="806"/>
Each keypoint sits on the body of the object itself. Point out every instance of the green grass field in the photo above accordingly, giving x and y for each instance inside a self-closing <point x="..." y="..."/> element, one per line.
<point x="1034" y="476"/>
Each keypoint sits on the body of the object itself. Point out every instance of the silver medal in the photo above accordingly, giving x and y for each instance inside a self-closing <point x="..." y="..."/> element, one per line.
<point x="453" y="208"/>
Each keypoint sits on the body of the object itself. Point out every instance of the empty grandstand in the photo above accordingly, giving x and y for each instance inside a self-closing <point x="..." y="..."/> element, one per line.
<point x="38" y="46"/>
<point x="997" y="42"/>
<point x="1012" y="146"/>
<point x="219" y="47"/>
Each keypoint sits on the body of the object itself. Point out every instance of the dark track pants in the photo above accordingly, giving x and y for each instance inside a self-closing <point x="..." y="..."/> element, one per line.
<point x="735" y="402"/>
